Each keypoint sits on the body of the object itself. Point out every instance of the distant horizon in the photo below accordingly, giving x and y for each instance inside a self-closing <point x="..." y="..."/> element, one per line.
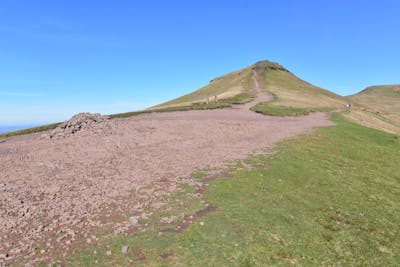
<point x="59" y="58"/>
<point x="12" y="128"/>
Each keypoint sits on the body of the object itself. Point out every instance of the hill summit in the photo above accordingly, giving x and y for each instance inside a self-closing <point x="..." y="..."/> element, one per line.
<point x="237" y="87"/>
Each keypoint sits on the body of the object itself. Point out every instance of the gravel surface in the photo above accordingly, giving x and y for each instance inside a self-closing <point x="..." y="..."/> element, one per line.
<point x="56" y="192"/>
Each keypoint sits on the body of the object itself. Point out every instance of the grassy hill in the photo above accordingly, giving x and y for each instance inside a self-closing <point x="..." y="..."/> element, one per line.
<point x="377" y="107"/>
<point x="288" y="90"/>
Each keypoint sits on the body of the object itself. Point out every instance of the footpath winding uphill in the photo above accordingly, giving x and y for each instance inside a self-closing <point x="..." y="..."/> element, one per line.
<point x="56" y="192"/>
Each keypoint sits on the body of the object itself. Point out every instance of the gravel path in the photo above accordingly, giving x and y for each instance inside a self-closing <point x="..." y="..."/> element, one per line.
<point x="55" y="192"/>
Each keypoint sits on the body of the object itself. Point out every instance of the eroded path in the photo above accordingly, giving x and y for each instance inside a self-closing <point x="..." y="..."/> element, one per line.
<point x="55" y="192"/>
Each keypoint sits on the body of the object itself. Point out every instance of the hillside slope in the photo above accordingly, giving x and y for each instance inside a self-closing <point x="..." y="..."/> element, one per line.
<point x="225" y="88"/>
<point x="291" y="91"/>
<point x="288" y="90"/>
<point x="377" y="107"/>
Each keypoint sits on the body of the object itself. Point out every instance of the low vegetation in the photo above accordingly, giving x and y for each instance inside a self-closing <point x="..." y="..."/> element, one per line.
<point x="326" y="198"/>
<point x="222" y="103"/>
<point x="268" y="108"/>
<point x="199" y="106"/>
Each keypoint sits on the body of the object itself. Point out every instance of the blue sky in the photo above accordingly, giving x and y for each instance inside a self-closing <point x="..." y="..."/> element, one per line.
<point x="58" y="58"/>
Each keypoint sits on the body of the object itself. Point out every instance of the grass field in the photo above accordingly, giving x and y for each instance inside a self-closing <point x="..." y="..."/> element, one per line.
<point x="329" y="198"/>
<point x="268" y="108"/>
<point x="222" y="103"/>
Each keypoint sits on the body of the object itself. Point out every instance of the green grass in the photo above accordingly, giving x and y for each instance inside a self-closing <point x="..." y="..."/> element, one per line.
<point x="275" y="110"/>
<point x="200" y="106"/>
<point x="324" y="199"/>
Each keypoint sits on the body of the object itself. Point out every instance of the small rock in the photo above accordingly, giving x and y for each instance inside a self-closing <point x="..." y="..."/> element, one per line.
<point x="124" y="249"/>
<point x="108" y="253"/>
<point x="116" y="231"/>
<point x="201" y="223"/>
<point x="133" y="221"/>
<point x="168" y="219"/>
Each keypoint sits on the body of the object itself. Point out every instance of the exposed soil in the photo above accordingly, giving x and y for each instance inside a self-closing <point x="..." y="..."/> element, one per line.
<point x="56" y="192"/>
<point x="188" y="220"/>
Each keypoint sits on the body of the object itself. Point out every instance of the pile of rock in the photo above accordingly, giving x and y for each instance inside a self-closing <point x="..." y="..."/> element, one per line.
<point x="79" y="122"/>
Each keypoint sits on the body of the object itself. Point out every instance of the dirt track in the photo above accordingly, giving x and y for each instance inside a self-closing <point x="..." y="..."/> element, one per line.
<point x="55" y="192"/>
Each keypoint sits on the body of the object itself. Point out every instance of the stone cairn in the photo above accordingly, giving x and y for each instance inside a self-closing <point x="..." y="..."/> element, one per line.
<point x="82" y="122"/>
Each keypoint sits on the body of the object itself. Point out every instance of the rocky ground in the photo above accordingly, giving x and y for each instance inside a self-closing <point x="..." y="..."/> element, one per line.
<point x="56" y="189"/>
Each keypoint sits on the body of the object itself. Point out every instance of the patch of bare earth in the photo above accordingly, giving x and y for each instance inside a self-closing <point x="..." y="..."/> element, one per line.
<point x="55" y="192"/>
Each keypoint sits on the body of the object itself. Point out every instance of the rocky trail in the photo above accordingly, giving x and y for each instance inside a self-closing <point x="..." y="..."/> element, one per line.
<point x="54" y="192"/>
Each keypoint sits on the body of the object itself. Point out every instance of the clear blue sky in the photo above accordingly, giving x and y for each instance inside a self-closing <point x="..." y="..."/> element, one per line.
<point x="58" y="58"/>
